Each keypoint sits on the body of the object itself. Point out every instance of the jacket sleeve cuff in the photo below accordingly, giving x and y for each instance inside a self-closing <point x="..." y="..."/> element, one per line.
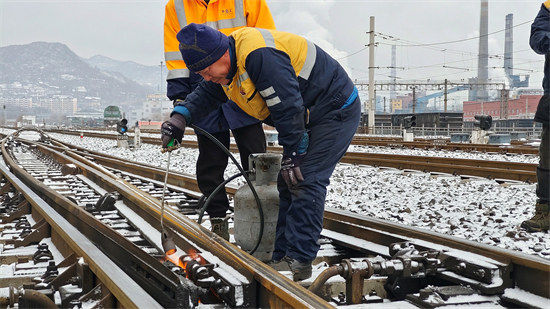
<point x="304" y="144"/>
<point x="183" y="111"/>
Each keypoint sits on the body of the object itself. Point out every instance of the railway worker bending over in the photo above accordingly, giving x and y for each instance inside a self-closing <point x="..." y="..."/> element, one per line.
<point x="293" y="85"/>
<point x="540" y="43"/>
<point x="249" y="135"/>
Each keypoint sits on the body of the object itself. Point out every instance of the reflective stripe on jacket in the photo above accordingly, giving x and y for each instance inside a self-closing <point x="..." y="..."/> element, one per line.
<point x="242" y="90"/>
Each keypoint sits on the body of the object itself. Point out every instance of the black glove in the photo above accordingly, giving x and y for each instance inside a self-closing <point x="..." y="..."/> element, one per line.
<point x="290" y="169"/>
<point x="173" y="128"/>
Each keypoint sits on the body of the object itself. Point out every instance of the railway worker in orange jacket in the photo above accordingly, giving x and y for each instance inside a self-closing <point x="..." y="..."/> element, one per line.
<point x="540" y="43"/>
<point x="225" y="16"/>
<point x="289" y="82"/>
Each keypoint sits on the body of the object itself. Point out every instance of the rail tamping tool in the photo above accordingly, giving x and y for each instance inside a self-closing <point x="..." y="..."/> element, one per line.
<point x="168" y="244"/>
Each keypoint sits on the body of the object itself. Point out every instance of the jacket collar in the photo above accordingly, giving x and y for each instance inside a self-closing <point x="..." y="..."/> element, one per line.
<point x="233" y="59"/>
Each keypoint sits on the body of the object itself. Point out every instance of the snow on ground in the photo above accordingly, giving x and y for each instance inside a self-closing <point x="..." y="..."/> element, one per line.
<point x="479" y="210"/>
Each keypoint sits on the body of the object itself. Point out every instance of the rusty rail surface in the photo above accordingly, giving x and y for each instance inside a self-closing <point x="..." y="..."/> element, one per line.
<point x="515" y="147"/>
<point x="530" y="273"/>
<point x="274" y="289"/>
<point x="480" y="168"/>
<point x="126" y="291"/>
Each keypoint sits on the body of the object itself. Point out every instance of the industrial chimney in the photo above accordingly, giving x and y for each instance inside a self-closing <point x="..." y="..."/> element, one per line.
<point x="483" y="61"/>
<point x="509" y="46"/>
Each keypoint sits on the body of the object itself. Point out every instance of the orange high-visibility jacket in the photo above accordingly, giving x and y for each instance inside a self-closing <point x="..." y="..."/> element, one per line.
<point x="224" y="15"/>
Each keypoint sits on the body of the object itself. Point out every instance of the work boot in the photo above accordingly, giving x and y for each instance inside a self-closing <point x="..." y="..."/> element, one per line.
<point x="279" y="265"/>
<point x="220" y="226"/>
<point x="540" y="222"/>
<point x="300" y="270"/>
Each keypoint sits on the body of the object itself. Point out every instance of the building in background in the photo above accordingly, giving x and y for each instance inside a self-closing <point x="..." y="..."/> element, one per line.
<point x="28" y="121"/>
<point x="157" y="107"/>
<point x="62" y="105"/>
<point x="522" y="107"/>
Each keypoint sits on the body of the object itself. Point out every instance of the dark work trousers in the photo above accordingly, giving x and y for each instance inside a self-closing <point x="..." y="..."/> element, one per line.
<point x="213" y="160"/>
<point x="301" y="207"/>
<point x="543" y="169"/>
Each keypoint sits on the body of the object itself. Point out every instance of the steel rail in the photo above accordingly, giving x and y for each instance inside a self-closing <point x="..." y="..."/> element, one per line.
<point x="526" y="266"/>
<point x="278" y="290"/>
<point x="381" y="232"/>
<point x="182" y="180"/>
<point x="450" y="146"/>
<point x="125" y="290"/>
<point x="504" y="165"/>
<point x="420" y="144"/>
<point x="110" y="241"/>
<point x="479" y="168"/>
<point x="449" y="166"/>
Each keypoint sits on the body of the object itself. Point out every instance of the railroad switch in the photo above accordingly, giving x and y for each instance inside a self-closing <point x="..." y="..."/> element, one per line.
<point x="410" y="272"/>
<point x="55" y="289"/>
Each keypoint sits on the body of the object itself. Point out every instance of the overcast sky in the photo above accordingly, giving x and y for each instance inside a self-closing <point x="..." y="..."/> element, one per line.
<point x="133" y="30"/>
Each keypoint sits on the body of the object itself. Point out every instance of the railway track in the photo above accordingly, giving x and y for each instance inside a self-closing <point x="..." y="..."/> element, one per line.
<point x="115" y="206"/>
<point x="500" y="170"/>
<point x="516" y="147"/>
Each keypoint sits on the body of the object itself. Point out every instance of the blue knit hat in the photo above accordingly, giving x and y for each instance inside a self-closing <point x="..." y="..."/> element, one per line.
<point x="200" y="46"/>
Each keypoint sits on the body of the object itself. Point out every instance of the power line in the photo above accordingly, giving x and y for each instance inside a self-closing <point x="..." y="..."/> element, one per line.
<point x="389" y="37"/>
<point x="352" y="54"/>
<point x="457" y="41"/>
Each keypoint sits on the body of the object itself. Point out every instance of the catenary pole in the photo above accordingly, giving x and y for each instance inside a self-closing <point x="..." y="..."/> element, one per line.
<point x="371" y="103"/>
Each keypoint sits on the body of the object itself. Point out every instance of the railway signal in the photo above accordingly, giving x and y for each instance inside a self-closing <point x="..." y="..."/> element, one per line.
<point x="409" y="122"/>
<point x="121" y="126"/>
<point x="484" y="122"/>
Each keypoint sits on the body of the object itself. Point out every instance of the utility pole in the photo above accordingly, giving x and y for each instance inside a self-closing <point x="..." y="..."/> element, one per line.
<point x="414" y="100"/>
<point x="371" y="77"/>
<point x="445" y="100"/>
<point x="160" y="90"/>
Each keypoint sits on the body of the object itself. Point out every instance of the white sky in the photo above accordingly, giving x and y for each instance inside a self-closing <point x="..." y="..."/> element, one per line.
<point x="133" y="30"/>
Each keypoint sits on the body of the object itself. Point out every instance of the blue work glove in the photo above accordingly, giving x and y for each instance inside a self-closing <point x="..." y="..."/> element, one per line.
<point x="172" y="129"/>
<point x="290" y="169"/>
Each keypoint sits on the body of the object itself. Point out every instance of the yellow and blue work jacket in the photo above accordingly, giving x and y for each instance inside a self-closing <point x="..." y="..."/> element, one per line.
<point x="223" y="15"/>
<point x="278" y="77"/>
<point x="540" y="43"/>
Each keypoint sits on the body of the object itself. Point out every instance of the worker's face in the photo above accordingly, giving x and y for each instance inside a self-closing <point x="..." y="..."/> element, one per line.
<point x="218" y="70"/>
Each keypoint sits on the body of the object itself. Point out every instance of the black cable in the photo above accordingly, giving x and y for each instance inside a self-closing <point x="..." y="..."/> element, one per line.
<point x="243" y="173"/>
<point x="209" y="199"/>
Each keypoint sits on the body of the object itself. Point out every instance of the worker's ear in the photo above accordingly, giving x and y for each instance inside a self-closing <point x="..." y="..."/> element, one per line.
<point x="226" y="55"/>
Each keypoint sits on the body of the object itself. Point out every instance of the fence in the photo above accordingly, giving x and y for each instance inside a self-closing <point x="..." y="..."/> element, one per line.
<point x="531" y="133"/>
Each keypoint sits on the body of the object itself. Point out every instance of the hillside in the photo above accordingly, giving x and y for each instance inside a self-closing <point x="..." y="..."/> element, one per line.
<point x="42" y="70"/>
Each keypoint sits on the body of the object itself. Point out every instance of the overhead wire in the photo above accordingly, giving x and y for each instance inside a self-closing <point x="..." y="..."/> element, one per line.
<point x="463" y="40"/>
<point x="430" y="46"/>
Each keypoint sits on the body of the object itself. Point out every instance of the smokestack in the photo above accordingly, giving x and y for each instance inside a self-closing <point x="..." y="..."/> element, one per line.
<point x="483" y="61"/>
<point x="509" y="46"/>
<point x="393" y="73"/>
